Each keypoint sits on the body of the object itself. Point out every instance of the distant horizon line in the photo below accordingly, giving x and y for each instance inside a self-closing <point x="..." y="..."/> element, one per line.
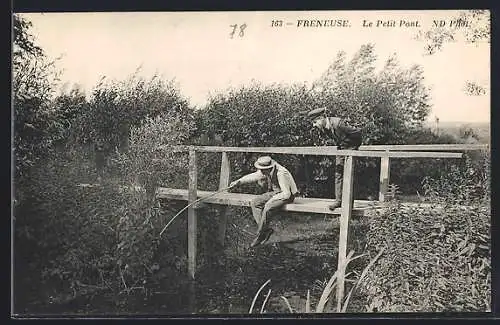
<point x="457" y="122"/>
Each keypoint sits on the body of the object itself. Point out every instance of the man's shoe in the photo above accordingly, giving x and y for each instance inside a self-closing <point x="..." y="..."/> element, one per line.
<point x="256" y="241"/>
<point x="262" y="236"/>
<point x="268" y="234"/>
<point x="336" y="204"/>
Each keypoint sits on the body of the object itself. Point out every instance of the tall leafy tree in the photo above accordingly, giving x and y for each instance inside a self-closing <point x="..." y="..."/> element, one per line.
<point x="116" y="106"/>
<point x="477" y="30"/>
<point x="34" y="80"/>
<point x="384" y="103"/>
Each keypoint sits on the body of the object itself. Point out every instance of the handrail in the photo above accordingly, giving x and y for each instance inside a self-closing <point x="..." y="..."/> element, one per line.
<point x="318" y="151"/>
<point x="426" y="147"/>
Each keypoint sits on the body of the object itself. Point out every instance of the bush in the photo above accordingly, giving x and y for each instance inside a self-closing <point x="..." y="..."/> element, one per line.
<point x="106" y="235"/>
<point x="438" y="259"/>
<point x="142" y="217"/>
<point x="150" y="160"/>
<point x="104" y="121"/>
<point x="465" y="183"/>
<point x="256" y="115"/>
<point x="410" y="173"/>
<point x="65" y="228"/>
<point x="440" y="254"/>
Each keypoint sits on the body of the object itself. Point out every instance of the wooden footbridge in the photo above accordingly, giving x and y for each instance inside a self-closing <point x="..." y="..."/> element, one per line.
<point x="349" y="206"/>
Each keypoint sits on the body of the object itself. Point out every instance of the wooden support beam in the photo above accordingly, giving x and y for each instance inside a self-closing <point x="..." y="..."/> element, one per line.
<point x="225" y="171"/>
<point x="385" y="172"/>
<point x="192" y="222"/>
<point x="300" y="204"/>
<point x="347" y="205"/>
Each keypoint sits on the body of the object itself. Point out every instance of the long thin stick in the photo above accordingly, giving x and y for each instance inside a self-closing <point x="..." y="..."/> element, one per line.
<point x="190" y="204"/>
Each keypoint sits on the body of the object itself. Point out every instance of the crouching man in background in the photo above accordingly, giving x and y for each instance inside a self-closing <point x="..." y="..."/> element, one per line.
<point x="343" y="135"/>
<point x="281" y="189"/>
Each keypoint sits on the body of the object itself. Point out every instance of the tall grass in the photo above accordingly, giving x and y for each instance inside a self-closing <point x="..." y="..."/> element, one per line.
<point x="326" y="295"/>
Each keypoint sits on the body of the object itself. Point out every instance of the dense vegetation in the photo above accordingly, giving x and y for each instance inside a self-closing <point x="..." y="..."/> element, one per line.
<point x="73" y="237"/>
<point x="439" y="259"/>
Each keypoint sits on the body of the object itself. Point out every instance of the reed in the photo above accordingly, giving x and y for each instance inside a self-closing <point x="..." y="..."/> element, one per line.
<point x="328" y="289"/>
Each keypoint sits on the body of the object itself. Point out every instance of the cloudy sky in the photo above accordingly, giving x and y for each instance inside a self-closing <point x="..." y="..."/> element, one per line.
<point x="196" y="49"/>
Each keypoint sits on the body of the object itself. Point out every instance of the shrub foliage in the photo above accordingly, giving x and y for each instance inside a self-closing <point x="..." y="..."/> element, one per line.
<point x="438" y="259"/>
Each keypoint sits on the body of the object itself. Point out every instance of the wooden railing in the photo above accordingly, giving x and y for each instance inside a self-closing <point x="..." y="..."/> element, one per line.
<point x="383" y="152"/>
<point x="385" y="163"/>
<point x="425" y="147"/>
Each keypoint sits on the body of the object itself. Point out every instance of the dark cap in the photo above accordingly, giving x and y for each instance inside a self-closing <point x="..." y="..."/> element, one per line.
<point x="317" y="112"/>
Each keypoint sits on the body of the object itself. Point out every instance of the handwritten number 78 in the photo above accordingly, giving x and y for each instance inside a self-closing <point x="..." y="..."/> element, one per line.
<point x="235" y="28"/>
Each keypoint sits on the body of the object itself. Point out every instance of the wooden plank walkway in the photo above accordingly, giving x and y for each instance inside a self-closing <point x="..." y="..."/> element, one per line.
<point x="307" y="205"/>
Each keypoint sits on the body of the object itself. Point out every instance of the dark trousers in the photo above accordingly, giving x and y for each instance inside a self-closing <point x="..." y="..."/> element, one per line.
<point x="339" y="166"/>
<point x="100" y="162"/>
<point x="263" y="205"/>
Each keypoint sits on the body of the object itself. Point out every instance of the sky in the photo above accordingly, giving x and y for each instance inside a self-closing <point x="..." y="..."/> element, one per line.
<point x="196" y="49"/>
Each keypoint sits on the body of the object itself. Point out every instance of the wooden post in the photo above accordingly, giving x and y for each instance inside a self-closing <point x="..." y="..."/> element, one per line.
<point x="347" y="205"/>
<point x="192" y="301"/>
<point x="385" y="170"/>
<point x="192" y="224"/>
<point x="225" y="170"/>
